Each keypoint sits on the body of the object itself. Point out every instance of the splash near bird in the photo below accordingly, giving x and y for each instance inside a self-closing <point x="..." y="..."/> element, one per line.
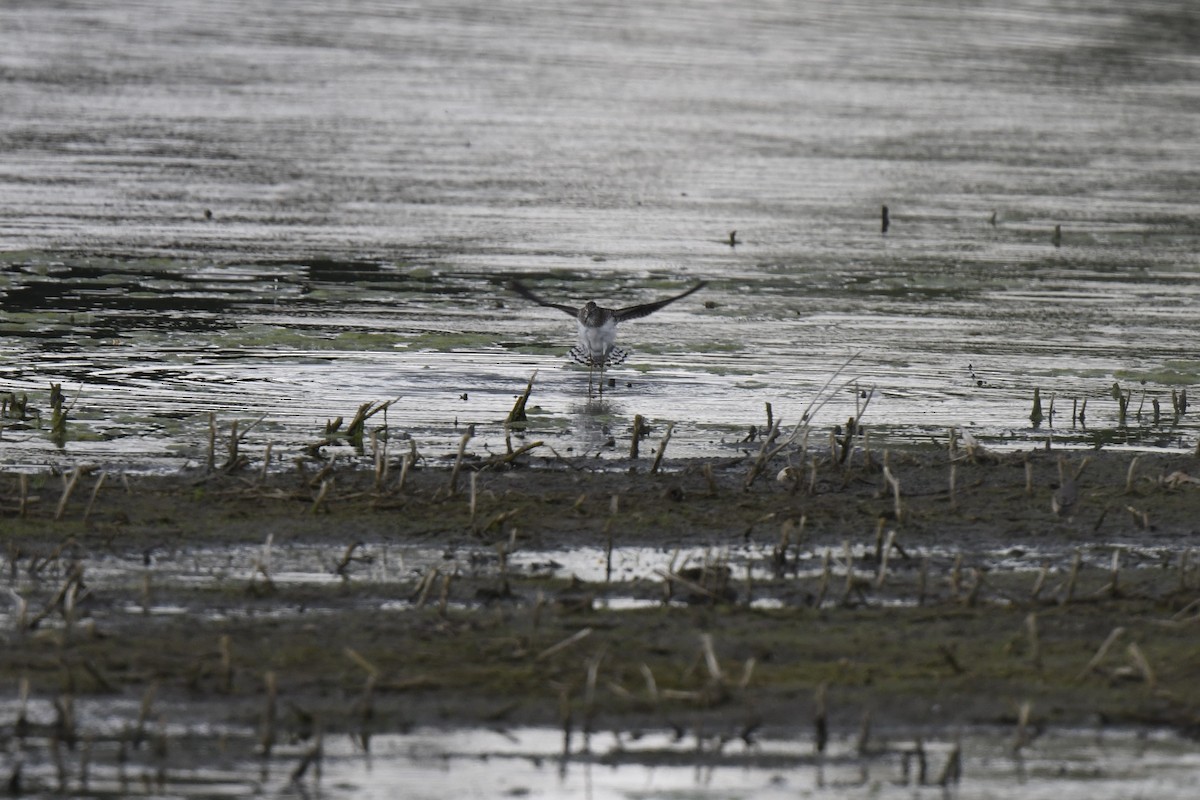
<point x="597" y="346"/>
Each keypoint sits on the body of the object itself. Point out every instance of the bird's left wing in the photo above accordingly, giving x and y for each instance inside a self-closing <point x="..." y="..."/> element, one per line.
<point x="634" y="312"/>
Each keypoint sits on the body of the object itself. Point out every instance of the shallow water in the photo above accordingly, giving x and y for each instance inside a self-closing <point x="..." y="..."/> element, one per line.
<point x="538" y="762"/>
<point x="374" y="176"/>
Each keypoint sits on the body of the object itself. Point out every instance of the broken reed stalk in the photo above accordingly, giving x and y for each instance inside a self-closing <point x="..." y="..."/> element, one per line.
<point x="444" y="599"/>
<point x="224" y="646"/>
<point x="1022" y="736"/>
<point x="1028" y="477"/>
<point x="321" y="494"/>
<point x="639" y="425"/>
<point x="405" y="463"/>
<point x="1130" y="475"/>
<point x="823" y="586"/>
<point x="212" y="441"/>
<point x="1035" y="648"/>
<point x="517" y="414"/>
<point x="23" y="484"/>
<point x="262" y="475"/>
<point x="1115" y="574"/>
<point x="662" y="448"/>
<point x="1141" y="664"/>
<point x="953" y="481"/>
<point x="92" y="501"/>
<point x="1069" y="587"/>
<point x="1039" y="582"/>
<point x="462" y="449"/>
<point x="1113" y="635"/>
<point x="574" y="638"/>
<point x="422" y="593"/>
<point x="894" y="482"/>
<point x="68" y="487"/>
<point x="266" y="737"/>
<point x="1036" y="416"/>
<point x="139" y="731"/>
<point x="820" y="719"/>
<point x="471" y="501"/>
<point x="848" y="555"/>
<point x="883" y="562"/>
<point x="923" y="581"/>
<point x="710" y="658"/>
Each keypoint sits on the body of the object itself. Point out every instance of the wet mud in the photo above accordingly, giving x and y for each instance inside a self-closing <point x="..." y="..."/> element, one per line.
<point x="371" y="601"/>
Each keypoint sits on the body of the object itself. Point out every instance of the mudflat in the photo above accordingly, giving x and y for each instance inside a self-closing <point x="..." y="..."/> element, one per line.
<point x="922" y="588"/>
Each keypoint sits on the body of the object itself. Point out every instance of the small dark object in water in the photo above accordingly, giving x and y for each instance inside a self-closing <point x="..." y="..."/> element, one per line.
<point x="886" y="221"/>
<point x="733" y="240"/>
<point x="1057" y="236"/>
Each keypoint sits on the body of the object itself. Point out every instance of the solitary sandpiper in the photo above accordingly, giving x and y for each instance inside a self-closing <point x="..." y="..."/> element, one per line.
<point x="597" y="345"/>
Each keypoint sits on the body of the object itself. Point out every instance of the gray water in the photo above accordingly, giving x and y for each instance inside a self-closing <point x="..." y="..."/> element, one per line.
<point x="375" y="171"/>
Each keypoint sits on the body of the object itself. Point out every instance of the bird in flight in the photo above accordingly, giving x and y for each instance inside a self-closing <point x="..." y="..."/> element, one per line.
<point x="597" y="345"/>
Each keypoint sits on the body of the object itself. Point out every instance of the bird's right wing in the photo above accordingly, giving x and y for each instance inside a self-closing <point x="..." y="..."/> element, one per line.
<point x="524" y="291"/>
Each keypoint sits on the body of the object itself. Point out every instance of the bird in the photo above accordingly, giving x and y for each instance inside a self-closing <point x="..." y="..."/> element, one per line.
<point x="597" y="345"/>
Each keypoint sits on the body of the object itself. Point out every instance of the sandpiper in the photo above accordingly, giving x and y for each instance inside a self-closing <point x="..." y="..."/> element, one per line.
<point x="597" y="345"/>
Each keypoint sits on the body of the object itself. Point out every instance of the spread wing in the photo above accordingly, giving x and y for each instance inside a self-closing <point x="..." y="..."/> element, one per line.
<point x="523" y="290"/>
<point x="634" y="312"/>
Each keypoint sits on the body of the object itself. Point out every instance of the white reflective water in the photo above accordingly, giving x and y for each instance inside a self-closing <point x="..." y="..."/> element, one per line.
<point x="374" y="173"/>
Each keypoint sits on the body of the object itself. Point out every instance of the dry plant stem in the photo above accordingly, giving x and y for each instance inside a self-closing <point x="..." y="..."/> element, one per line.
<point x="517" y="414"/>
<point x="953" y="481"/>
<point x="405" y="463"/>
<point x="883" y="563"/>
<point x="1130" y="475"/>
<point x="1113" y="635"/>
<point x="638" y="424"/>
<point x="1141" y="664"/>
<point x="1039" y="582"/>
<point x="820" y="719"/>
<point x="266" y="738"/>
<point x="894" y="482"/>
<point x="710" y="658"/>
<point x="662" y="448"/>
<point x="462" y="449"/>
<point x="574" y="638"/>
<point x="471" y="502"/>
<point x="1035" y="649"/>
<point x="212" y="441"/>
<point x="262" y="476"/>
<point x="1069" y="588"/>
<point x="321" y="494"/>
<point x="67" y="489"/>
<point x="92" y="501"/>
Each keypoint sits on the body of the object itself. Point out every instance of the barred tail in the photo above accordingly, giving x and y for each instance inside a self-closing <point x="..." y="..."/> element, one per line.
<point x="580" y="355"/>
